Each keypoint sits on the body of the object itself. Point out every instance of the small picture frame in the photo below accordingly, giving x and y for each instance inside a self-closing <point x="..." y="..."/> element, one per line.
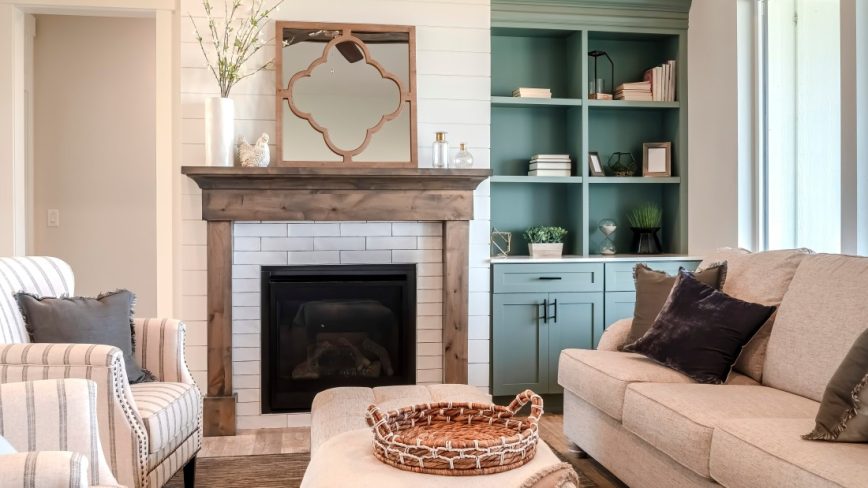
<point x="657" y="159"/>
<point x="595" y="166"/>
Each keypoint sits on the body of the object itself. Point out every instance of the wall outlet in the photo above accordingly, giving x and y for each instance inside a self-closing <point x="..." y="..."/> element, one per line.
<point x="53" y="217"/>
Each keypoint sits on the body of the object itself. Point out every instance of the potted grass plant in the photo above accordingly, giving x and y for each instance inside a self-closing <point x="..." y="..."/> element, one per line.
<point x="645" y="221"/>
<point x="545" y="241"/>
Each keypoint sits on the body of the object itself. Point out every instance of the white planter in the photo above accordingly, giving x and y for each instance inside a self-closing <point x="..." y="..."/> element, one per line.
<point x="546" y="250"/>
<point x="219" y="132"/>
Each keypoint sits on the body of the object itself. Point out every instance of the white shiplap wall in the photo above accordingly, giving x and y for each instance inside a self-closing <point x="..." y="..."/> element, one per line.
<point x="453" y="85"/>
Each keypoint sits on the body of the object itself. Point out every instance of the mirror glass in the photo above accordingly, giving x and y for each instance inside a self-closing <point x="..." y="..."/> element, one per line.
<point x="345" y="96"/>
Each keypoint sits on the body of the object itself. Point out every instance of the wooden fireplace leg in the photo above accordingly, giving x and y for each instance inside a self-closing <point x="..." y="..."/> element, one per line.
<point x="456" y="243"/>
<point x="219" y="404"/>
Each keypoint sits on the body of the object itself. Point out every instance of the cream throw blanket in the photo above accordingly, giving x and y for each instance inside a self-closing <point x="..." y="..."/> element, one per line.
<point x="346" y="460"/>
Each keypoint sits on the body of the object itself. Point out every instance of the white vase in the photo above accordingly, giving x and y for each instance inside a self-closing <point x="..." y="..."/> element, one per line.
<point x="219" y="132"/>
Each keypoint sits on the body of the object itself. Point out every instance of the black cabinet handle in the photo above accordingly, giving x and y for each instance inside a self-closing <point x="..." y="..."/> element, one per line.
<point x="545" y="314"/>
<point x="555" y="316"/>
<point x="551" y="278"/>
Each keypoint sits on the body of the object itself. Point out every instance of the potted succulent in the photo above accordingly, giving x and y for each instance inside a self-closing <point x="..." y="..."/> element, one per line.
<point x="645" y="221"/>
<point x="545" y="242"/>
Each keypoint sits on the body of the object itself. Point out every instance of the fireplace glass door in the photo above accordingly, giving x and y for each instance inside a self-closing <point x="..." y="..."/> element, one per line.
<point x="329" y="326"/>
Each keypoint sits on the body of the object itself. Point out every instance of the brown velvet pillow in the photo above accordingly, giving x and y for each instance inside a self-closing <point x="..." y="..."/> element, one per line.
<point x="701" y="331"/>
<point x="843" y="414"/>
<point x="652" y="290"/>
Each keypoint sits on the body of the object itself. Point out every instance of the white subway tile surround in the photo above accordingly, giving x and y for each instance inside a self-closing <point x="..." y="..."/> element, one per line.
<point x="453" y="85"/>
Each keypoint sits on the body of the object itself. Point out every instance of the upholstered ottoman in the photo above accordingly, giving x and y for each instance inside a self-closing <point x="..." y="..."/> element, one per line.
<point x="341" y="443"/>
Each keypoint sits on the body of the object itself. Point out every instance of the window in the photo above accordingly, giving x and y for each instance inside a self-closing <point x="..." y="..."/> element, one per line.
<point x="801" y="87"/>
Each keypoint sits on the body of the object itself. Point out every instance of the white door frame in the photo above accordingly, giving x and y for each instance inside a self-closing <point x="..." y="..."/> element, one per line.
<point x="13" y="206"/>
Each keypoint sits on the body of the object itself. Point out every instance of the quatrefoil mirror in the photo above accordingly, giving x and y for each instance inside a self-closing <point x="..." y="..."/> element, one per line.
<point x="346" y="95"/>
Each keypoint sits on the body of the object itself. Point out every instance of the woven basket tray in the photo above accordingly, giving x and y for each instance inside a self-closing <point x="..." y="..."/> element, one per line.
<point x="457" y="439"/>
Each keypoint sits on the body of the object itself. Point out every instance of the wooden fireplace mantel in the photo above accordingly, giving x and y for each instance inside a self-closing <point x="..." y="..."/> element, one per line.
<point x="335" y="194"/>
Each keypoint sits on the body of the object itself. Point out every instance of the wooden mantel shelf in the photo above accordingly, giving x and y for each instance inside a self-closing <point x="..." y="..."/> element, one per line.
<point x="208" y="177"/>
<point x="335" y="194"/>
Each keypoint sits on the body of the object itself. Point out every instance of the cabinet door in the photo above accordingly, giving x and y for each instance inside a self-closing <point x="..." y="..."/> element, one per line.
<point x="520" y="343"/>
<point x="577" y="324"/>
<point x="619" y="305"/>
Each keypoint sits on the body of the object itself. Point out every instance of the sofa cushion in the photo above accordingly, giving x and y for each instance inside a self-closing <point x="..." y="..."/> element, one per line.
<point x="601" y="377"/>
<point x="764" y="278"/>
<point x="170" y="412"/>
<point x="821" y="316"/>
<point x="746" y="453"/>
<point x="680" y="419"/>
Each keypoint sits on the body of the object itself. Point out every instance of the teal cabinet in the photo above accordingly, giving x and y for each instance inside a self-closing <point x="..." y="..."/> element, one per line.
<point x="530" y="331"/>
<point x="619" y="305"/>
<point x="520" y="343"/>
<point x="577" y="324"/>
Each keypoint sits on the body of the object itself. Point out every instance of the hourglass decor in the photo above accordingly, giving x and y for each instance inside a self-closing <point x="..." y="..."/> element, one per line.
<point x="607" y="228"/>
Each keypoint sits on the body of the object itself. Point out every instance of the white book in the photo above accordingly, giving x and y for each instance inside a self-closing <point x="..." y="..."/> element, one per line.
<point x="549" y="172"/>
<point x="672" y="81"/>
<point x="550" y="157"/>
<point x="666" y="73"/>
<point x="545" y="165"/>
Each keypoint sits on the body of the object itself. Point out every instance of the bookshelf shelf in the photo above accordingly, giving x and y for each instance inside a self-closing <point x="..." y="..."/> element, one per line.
<point x="603" y="104"/>
<point x="527" y="52"/>
<point x="633" y="180"/>
<point x="563" y="180"/>
<point x="534" y="102"/>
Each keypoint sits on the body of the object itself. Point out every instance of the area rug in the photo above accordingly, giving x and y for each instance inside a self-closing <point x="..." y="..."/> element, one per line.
<point x="265" y="471"/>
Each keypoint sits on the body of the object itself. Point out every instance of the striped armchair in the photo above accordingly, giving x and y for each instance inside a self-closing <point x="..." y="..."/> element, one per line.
<point x="148" y="431"/>
<point x="54" y="423"/>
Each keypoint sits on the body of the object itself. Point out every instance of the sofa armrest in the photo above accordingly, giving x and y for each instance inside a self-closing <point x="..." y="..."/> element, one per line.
<point x="44" y="468"/>
<point x="615" y="336"/>
<point x="121" y="429"/>
<point x="160" y="349"/>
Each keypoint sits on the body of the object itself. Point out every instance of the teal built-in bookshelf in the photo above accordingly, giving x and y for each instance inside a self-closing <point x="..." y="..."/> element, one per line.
<point x="545" y="45"/>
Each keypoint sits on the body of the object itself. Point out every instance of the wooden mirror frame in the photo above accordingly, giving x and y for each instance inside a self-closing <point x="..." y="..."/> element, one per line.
<point x="284" y="92"/>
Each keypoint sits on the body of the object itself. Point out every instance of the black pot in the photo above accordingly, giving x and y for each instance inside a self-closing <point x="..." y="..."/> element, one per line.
<point x="645" y="241"/>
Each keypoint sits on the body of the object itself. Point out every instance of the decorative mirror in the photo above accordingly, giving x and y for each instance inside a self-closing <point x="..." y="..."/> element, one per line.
<point x="346" y="95"/>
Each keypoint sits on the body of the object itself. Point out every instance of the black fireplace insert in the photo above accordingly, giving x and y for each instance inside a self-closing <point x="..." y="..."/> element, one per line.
<point x="335" y="325"/>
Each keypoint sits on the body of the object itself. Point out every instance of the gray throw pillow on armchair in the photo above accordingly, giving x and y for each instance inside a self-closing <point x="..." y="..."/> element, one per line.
<point x="106" y="319"/>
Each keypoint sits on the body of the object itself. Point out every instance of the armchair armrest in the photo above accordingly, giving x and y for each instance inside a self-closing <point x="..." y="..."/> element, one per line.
<point x="121" y="430"/>
<point x="160" y="349"/>
<point x="615" y="336"/>
<point x="56" y="415"/>
<point x="44" y="469"/>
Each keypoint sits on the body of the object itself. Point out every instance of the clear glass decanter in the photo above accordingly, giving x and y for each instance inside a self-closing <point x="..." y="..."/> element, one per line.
<point x="463" y="158"/>
<point x="441" y="150"/>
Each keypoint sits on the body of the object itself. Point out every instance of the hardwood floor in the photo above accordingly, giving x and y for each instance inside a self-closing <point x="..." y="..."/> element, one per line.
<point x="297" y="440"/>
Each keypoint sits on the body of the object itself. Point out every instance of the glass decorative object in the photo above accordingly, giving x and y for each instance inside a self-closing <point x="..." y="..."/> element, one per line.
<point x="463" y="158"/>
<point x="622" y="164"/>
<point x="607" y="228"/>
<point x="597" y="84"/>
<point x="501" y="243"/>
<point x="441" y="150"/>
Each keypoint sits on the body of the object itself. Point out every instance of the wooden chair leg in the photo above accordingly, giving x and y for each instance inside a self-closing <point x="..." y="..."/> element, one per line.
<point x="190" y="473"/>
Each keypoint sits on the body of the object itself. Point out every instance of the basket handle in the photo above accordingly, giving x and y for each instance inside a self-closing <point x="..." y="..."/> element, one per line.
<point x="377" y="420"/>
<point x="536" y="405"/>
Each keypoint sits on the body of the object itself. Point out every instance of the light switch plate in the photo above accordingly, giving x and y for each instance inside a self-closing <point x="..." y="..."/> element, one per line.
<point x="53" y="217"/>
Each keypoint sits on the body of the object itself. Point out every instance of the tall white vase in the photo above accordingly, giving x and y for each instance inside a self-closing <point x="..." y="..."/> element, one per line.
<point x="219" y="132"/>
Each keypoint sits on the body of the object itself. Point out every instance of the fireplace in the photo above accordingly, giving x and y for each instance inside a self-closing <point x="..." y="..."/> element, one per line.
<point x="336" y="325"/>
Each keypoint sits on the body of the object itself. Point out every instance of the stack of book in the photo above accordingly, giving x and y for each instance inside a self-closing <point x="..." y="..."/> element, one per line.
<point x="550" y="165"/>
<point x="662" y="80"/>
<point x="659" y="86"/>
<point x="639" y="91"/>
<point x="523" y="92"/>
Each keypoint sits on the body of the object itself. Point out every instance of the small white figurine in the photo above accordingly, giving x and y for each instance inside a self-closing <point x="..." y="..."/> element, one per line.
<point x="254" y="156"/>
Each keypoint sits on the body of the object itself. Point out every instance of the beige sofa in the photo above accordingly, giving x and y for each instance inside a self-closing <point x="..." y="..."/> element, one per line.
<point x="654" y="427"/>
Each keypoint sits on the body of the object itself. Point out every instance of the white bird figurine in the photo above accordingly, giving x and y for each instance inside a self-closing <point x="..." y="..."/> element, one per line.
<point x="253" y="156"/>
